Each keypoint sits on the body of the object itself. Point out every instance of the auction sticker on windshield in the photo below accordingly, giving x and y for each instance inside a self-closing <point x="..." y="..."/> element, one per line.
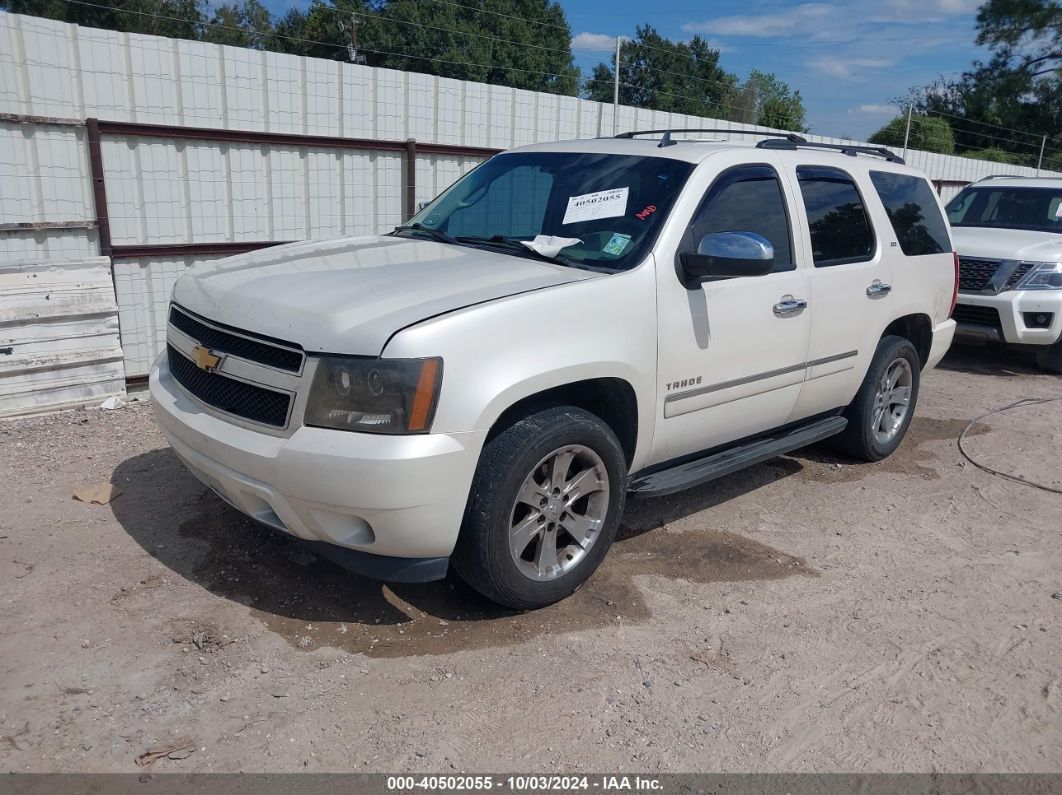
<point x="591" y="206"/>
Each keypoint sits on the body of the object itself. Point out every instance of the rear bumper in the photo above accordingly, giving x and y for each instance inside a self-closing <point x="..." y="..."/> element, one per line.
<point x="943" y="335"/>
<point x="374" y="497"/>
<point x="1012" y="307"/>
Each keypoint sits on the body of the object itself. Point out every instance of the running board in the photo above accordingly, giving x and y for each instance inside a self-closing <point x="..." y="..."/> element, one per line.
<point x="716" y="465"/>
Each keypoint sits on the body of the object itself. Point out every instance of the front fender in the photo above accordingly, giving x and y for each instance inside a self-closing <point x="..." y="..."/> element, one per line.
<point x="499" y="353"/>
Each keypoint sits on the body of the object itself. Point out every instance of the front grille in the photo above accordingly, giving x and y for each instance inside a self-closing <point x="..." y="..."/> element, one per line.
<point x="982" y="315"/>
<point x="255" y="350"/>
<point x="251" y="402"/>
<point x="975" y="274"/>
<point x="1019" y="273"/>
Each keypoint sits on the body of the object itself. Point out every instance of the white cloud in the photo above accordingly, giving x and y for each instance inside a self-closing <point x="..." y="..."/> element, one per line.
<point x="912" y="10"/>
<point x="873" y="110"/>
<point x="593" y="42"/>
<point x="846" y="68"/>
<point x="785" y="23"/>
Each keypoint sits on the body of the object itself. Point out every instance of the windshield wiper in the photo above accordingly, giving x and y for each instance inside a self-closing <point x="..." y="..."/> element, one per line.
<point x="435" y="234"/>
<point x="514" y="245"/>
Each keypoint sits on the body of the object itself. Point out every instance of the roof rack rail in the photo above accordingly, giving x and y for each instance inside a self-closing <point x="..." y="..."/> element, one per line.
<point x="848" y="149"/>
<point x="1016" y="176"/>
<point x="668" y="141"/>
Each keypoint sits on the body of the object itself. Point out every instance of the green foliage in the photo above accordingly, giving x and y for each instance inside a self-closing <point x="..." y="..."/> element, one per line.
<point x="928" y="133"/>
<point x="778" y="105"/>
<point x="657" y="73"/>
<point x="1011" y="101"/>
<point x="242" y="24"/>
<point x="996" y="155"/>
<point x="181" y="19"/>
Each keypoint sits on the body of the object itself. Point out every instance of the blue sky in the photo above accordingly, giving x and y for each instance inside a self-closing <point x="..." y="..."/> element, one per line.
<point x="848" y="59"/>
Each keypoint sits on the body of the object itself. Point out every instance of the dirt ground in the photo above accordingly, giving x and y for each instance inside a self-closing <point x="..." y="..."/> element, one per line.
<point x="809" y="614"/>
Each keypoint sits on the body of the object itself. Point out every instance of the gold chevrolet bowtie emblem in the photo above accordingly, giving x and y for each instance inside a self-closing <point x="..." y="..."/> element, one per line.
<point x="205" y="359"/>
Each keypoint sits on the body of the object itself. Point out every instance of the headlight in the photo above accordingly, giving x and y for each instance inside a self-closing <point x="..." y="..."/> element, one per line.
<point x="1043" y="276"/>
<point x="374" y="395"/>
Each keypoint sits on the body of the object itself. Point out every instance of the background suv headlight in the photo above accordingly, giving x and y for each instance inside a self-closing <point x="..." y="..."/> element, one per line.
<point x="374" y="395"/>
<point x="1043" y="276"/>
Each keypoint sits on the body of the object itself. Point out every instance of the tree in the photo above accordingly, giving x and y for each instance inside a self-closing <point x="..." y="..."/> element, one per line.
<point x="778" y="105"/>
<point x="996" y="155"/>
<point x="928" y="133"/>
<point x="1024" y="35"/>
<point x="246" y="23"/>
<point x="657" y="73"/>
<point x="180" y="19"/>
<point x="1010" y="102"/>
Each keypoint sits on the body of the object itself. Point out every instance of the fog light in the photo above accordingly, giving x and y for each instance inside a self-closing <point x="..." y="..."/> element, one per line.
<point x="1038" y="319"/>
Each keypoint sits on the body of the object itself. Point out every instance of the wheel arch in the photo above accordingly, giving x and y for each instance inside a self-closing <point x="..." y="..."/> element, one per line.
<point x="610" y="398"/>
<point x="916" y="329"/>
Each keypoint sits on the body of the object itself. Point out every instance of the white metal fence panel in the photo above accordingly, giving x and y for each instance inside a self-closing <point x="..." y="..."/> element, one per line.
<point x="58" y="335"/>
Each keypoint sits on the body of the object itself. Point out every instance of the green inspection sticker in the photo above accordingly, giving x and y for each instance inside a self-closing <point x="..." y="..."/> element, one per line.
<point x="617" y="244"/>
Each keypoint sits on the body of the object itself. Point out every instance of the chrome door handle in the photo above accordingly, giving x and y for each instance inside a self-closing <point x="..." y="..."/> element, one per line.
<point x="790" y="306"/>
<point x="878" y="288"/>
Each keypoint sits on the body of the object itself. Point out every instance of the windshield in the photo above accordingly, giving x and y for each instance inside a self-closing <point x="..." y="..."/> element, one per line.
<point x="607" y="209"/>
<point x="1038" y="209"/>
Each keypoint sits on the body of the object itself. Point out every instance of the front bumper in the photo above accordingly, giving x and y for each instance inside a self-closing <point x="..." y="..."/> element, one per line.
<point x="1012" y="307"/>
<point x="370" y="495"/>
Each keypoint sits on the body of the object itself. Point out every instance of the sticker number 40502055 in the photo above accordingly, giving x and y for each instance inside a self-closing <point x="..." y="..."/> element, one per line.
<point x="602" y="204"/>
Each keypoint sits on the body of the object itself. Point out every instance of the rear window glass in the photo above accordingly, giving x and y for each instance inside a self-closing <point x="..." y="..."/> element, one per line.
<point x="840" y="229"/>
<point x="913" y="211"/>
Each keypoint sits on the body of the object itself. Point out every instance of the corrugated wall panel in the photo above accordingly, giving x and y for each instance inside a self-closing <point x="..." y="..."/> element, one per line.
<point x="143" y="288"/>
<point x="58" y="335"/>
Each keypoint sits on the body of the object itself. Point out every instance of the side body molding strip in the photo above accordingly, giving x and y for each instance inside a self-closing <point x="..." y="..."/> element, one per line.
<point x="704" y="390"/>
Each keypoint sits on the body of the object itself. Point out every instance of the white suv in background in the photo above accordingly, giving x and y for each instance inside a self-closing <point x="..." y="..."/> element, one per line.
<point x="568" y="323"/>
<point x="1008" y="232"/>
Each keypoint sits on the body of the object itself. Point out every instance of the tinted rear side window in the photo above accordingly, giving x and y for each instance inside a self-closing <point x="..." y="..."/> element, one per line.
<point x="840" y="229"/>
<point x="913" y="211"/>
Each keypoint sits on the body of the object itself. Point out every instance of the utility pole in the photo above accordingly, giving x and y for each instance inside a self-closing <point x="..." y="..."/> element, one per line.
<point x="352" y="50"/>
<point x="1040" y="162"/>
<point x="907" y="133"/>
<point x="615" y="88"/>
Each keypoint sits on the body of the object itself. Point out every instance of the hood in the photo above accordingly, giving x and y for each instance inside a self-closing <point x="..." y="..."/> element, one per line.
<point x="351" y="295"/>
<point x="1018" y="244"/>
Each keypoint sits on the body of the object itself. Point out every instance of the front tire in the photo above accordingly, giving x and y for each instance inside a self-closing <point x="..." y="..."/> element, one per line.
<point x="545" y="503"/>
<point x="879" y="416"/>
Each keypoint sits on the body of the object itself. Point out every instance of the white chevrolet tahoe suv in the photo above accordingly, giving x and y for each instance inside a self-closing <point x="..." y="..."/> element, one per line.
<point x="1008" y="232"/>
<point x="567" y="324"/>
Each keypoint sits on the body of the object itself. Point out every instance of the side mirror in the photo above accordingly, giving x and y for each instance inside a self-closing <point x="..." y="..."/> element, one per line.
<point x="422" y="205"/>
<point x="728" y="255"/>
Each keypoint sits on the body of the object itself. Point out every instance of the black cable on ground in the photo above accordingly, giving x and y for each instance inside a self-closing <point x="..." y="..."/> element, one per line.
<point x="996" y="472"/>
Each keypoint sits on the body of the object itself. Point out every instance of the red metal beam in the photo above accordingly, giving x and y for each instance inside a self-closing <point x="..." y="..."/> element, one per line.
<point x="190" y="249"/>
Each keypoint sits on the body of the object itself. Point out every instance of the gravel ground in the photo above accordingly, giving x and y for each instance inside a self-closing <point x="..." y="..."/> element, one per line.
<point x="808" y="614"/>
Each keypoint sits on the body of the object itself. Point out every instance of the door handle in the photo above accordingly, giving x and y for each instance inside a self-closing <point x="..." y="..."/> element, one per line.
<point x="878" y="288"/>
<point x="790" y="306"/>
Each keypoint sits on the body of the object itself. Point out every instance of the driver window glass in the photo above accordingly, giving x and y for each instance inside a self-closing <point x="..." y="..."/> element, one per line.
<point x="516" y="202"/>
<point x="747" y="199"/>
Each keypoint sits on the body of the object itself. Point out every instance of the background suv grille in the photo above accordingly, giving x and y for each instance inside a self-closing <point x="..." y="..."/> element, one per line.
<point x="256" y="351"/>
<point x="975" y="274"/>
<point x="251" y="402"/>
<point x="984" y="315"/>
<point x="1019" y="272"/>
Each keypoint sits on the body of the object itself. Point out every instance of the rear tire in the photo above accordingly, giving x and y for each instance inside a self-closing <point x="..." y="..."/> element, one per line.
<point x="1050" y="358"/>
<point x="879" y="416"/>
<point x="543" y="510"/>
